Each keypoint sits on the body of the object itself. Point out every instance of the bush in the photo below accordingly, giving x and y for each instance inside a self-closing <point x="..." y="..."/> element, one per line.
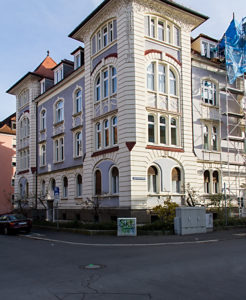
<point x="76" y="224"/>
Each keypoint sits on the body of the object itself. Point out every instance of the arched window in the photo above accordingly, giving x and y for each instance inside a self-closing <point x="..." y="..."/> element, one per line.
<point x="65" y="187"/>
<point x="214" y="138"/>
<point x="151" y="129"/>
<point x="163" y="139"/>
<point x="114" y="131"/>
<point x="59" y="111"/>
<point x="173" y="131"/>
<point x="151" y="77"/>
<point x="215" y="182"/>
<point x="209" y="92"/>
<point x="106" y="133"/>
<point x="152" y="179"/>
<point x="98" y="136"/>
<point x="98" y="88"/>
<point x="207" y="182"/>
<point x="43" y="120"/>
<point x="205" y="137"/>
<point x="113" y="80"/>
<point x="98" y="183"/>
<point x="78" y="144"/>
<point x="78" y="101"/>
<point x="43" y="155"/>
<point x="115" y="180"/>
<point x="172" y="83"/>
<point x="79" y="185"/>
<point x="176" y="180"/>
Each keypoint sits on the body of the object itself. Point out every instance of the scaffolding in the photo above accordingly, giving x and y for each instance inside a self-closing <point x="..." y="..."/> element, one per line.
<point x="232" y="47"/>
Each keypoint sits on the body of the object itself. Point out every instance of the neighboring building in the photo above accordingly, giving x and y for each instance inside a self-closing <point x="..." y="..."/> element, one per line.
<point x="116" y="125"/>
<point x="7" y="162"/>
<point x="218" y="123"/>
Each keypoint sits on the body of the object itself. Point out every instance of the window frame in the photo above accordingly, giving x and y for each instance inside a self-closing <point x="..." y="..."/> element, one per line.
<point x="104" y="36"/>
<point x="59" y="111"/>
<point x="171" y="32"/>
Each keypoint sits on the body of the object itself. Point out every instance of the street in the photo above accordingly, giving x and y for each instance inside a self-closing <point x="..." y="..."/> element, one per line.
<point x="53" y="265"/>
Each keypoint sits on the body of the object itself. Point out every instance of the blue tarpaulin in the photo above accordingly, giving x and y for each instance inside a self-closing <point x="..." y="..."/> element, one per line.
<point x="233" y="44"/>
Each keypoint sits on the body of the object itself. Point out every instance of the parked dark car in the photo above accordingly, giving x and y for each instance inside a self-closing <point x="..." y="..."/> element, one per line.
<point x="13" y="223"/>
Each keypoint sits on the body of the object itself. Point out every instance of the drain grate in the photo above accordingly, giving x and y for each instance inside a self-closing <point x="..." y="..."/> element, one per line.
<point x="92" y="267"/>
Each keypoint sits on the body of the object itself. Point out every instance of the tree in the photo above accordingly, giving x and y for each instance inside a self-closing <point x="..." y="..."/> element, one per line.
<point x="167" y="211"/>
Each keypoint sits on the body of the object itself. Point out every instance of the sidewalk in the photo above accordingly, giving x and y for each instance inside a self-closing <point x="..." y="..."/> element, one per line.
<point x="80" y="239"/>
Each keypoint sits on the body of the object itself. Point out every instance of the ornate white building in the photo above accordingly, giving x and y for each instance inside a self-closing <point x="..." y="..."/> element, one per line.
<point x="119" y="125"/>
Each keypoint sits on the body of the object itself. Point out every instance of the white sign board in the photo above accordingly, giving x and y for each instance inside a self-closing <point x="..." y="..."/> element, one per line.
<point x="126" y="227"/>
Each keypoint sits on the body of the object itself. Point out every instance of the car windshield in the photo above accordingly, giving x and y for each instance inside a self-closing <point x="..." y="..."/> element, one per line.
<point x="16" y="217"/>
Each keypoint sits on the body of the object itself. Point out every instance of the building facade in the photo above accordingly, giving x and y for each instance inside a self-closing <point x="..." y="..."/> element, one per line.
<point x="114" y="128"/>
<point x="8" y="163"/>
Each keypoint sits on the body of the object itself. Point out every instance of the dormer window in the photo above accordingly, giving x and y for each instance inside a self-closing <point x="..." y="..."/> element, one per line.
<point x="42" y="85"/>
<point x="58" y="74"/>
<point x="77" y="61"/>
<point x="208" y="50"/>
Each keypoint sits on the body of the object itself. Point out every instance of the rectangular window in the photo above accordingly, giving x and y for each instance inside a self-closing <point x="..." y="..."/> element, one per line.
<point x="77" y="61"/>
<point x="176" y="33"/>
<point x="160" y="31"/>
<point x="152" y="27"/>
<point x="161" y="79"/>
<point x="110" y="29"/>
<point x="99" y="41"/>
<point x="105" y="84"/>
<point x="105" y="36"/>
<point x="151" y="77"/>
<point x="205" y="49"/>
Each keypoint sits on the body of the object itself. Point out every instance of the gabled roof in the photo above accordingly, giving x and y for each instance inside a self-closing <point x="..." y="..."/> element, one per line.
<point x="44" y="70"/>
<point x="7" y="130"/>
<point x="170" y="2"/>
<point x="205" y="37"/>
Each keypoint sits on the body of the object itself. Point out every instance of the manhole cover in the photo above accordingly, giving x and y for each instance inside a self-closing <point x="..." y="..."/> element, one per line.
<point x="92" y="267"/>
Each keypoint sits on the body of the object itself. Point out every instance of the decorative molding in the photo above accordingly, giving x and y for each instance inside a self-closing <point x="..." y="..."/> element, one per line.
<point x="105" y="151"/>
<point x="33" y="169"/>
<point x="177" y="61"/>
<point x="146" y="52"/>
<point x="23" y="172"/>
<point x="130" y="145"/>
<point x="112" y="55"/>
<point x="164" y="148"/>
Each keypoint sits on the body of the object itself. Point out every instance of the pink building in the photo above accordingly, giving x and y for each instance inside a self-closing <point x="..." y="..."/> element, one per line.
<point x="7" y="162"/>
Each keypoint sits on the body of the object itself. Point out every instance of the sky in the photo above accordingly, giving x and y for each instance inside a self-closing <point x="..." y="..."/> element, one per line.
<point x="28" y="28"/>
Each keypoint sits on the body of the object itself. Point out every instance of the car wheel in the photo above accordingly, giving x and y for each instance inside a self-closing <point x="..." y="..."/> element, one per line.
<point x="5" y="231"/>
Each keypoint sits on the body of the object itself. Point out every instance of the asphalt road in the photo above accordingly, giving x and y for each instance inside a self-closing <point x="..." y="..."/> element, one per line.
<point x="188" y="268"/>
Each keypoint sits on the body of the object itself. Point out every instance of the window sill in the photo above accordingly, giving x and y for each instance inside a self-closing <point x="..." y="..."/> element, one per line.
<point x="172" y="149"/>
<point x="159" y="42"/>
<point x="77" y="157"/>
<point x="209" y="105"/>
<point x="211" y="151"/>
<point x="105" y="151"/>
<point x="42" y="130"/>
<point x="43" y="166"/>
<point x="58" y="123"/>
<point x="58" y="162"/>
<point x="77" y="114"/>
<point x="94" y="55"/>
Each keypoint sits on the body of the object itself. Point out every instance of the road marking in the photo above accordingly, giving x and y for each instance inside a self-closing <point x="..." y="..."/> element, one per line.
<point x="240" y="234"/>
<point x="118" y="245"/>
